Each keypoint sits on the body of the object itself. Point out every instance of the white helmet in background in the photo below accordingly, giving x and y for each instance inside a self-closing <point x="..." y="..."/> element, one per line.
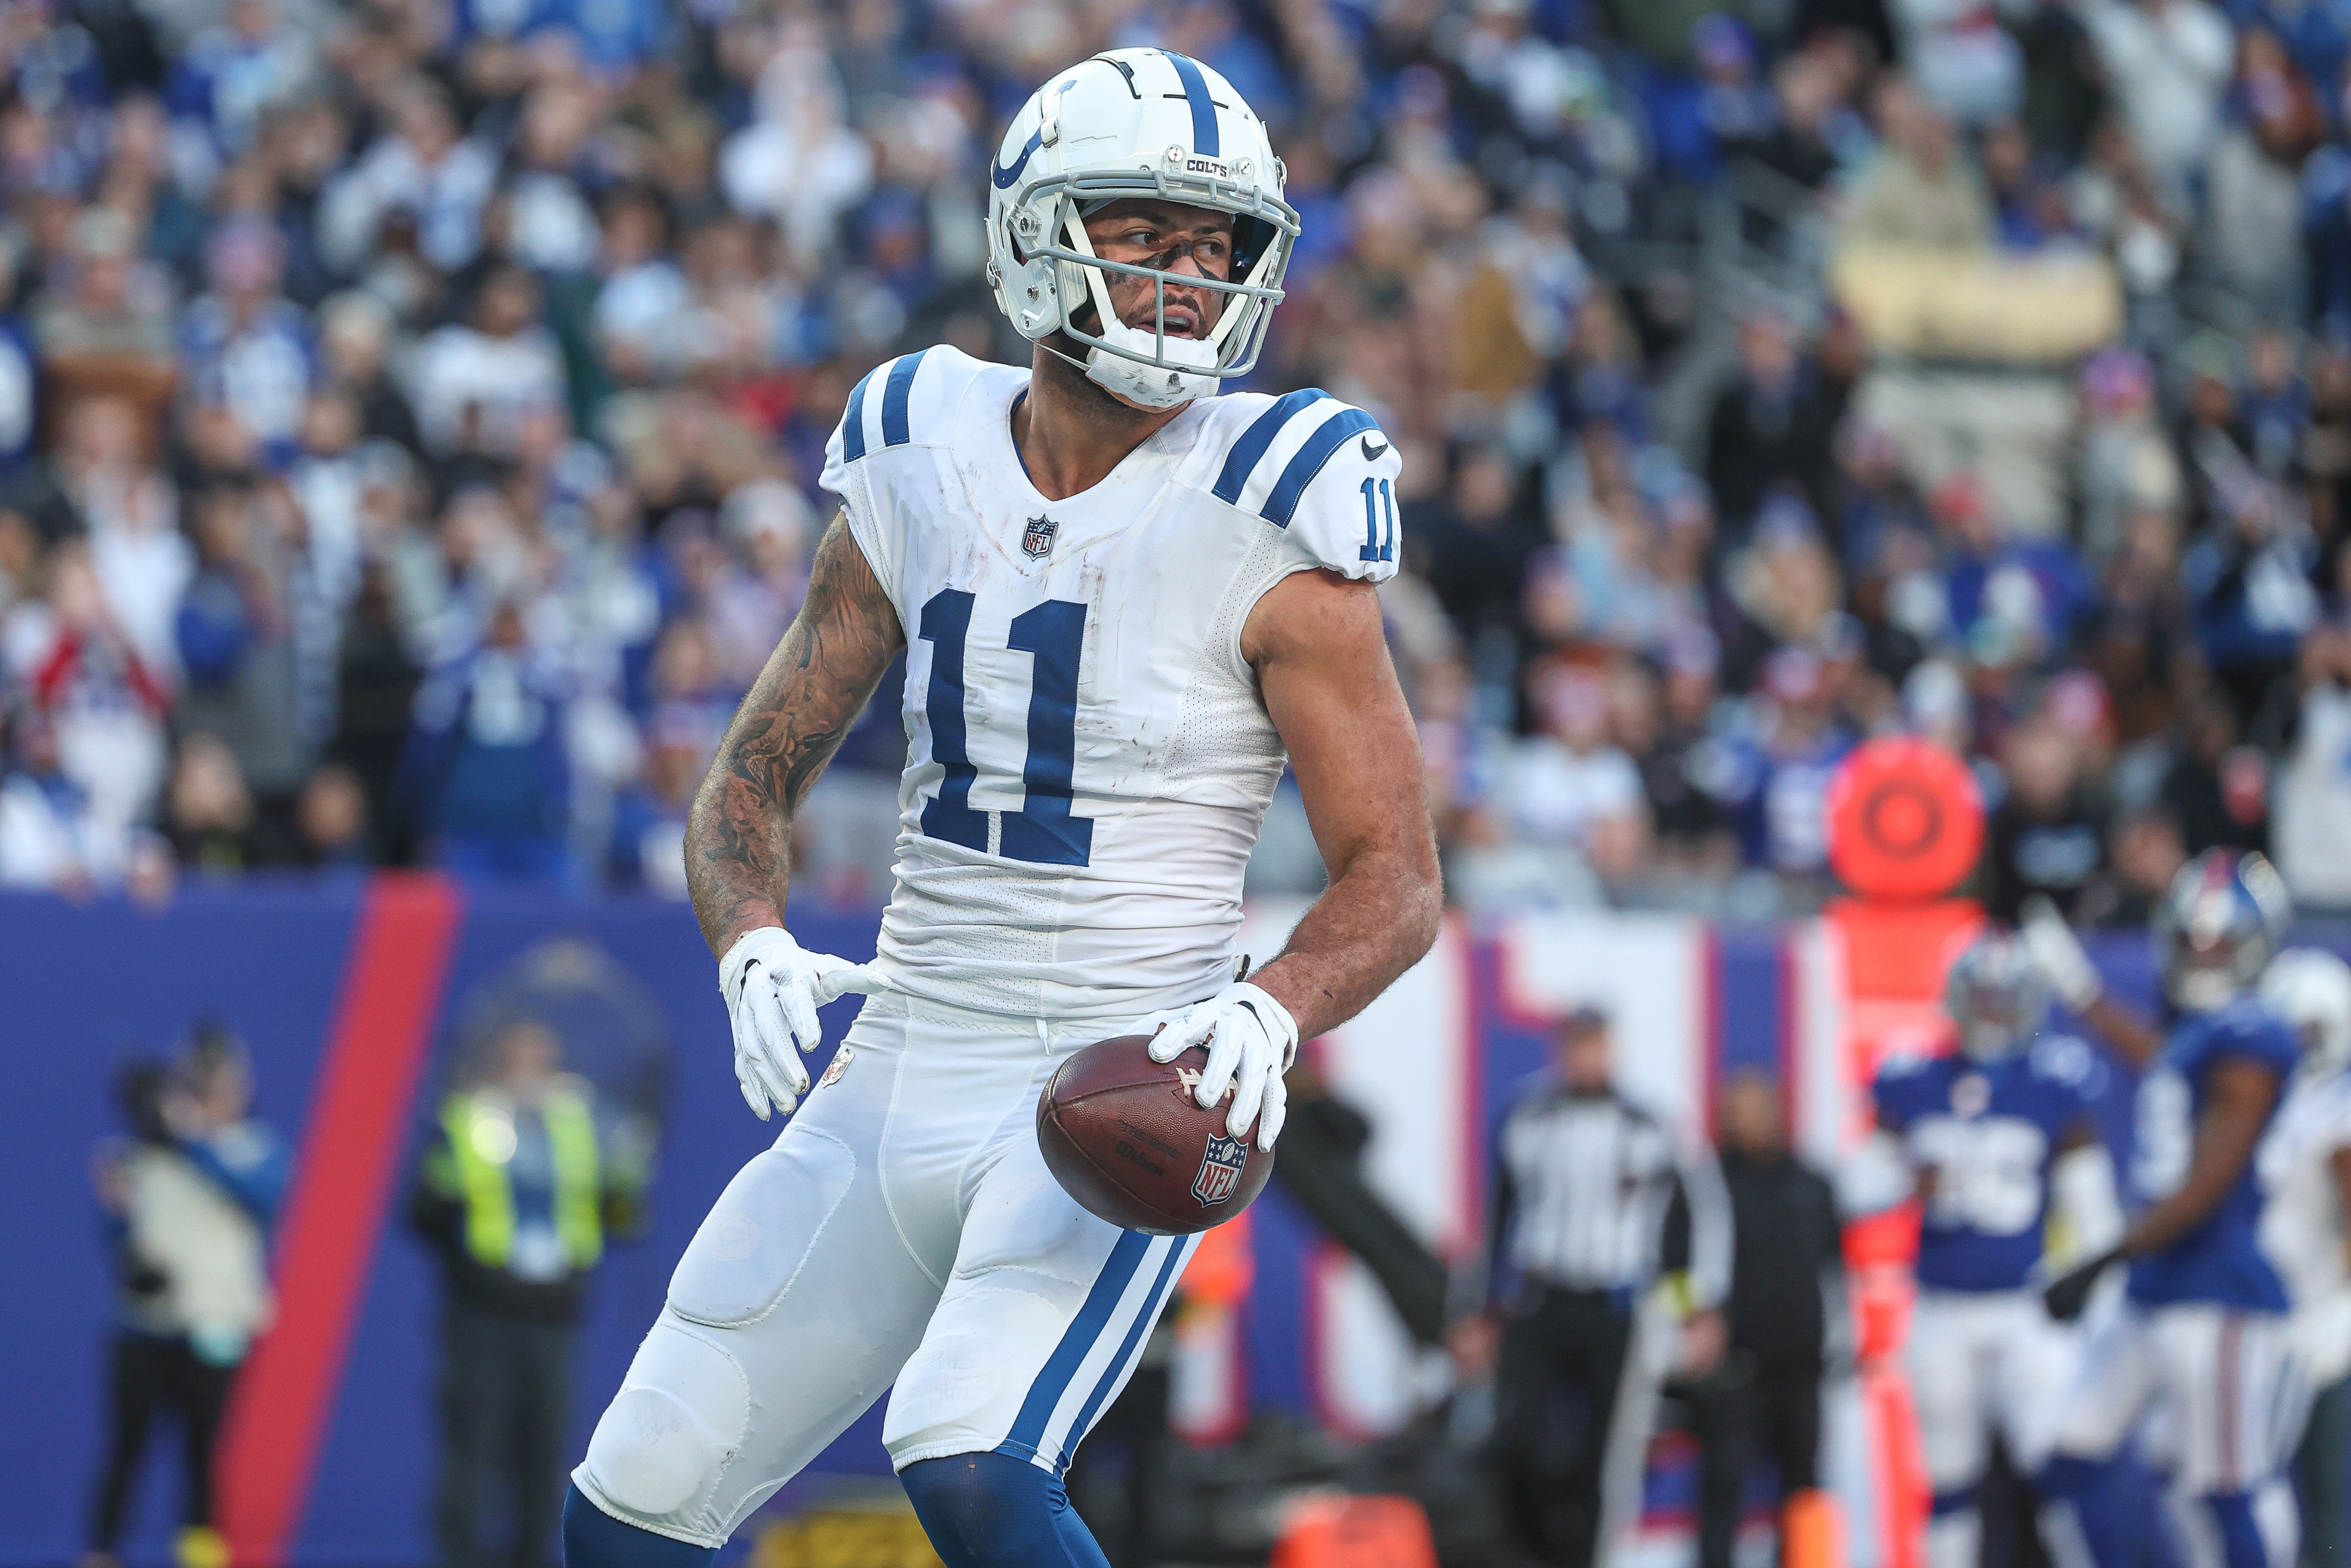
<point x="2311" y="989"/>
<point x="1132" y="123"/>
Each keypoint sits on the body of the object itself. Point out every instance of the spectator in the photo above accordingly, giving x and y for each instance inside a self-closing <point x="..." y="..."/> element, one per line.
<point x="2167" y="62"/>
<point x="425" y="174"/>
<point x="1569" y="787"/>
<point x="238" y="638"/>
<point x="110" y="331"/>
<point x="2045" y="838"/>
<point x="1919" y="191"/>
<point x="475" y="386"/>
<point x="244" y="347"/>
<point x="189" y="1202"/>
<point x="484" y="768"/>
<point x="520" y="1187"/>
<point x="2313" y="838"/>
<point x="1772" y="426"/>
<point x="2217" y="791"/>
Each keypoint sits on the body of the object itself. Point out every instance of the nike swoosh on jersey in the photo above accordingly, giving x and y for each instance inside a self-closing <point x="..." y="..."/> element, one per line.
<point x="1003" y="176"/>
<point x="1372" y="454"/>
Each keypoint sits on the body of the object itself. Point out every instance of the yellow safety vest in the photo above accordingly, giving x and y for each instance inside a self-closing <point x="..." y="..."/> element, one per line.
<point x="481" y="1133"/>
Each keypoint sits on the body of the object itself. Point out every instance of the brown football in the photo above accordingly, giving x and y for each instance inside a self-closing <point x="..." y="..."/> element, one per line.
<point x="1124" y="1136"/>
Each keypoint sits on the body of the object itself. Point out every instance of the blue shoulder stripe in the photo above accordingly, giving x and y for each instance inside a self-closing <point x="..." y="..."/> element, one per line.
<point x="893" y="399"/>
<point x="1308" y="462"/>
<point x="853" y="423"/>
<point x="1205" y="141"/>
<point x="1259" y="435"/>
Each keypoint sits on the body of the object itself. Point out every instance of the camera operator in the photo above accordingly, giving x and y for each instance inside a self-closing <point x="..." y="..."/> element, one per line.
<point x="188" y="1199"/>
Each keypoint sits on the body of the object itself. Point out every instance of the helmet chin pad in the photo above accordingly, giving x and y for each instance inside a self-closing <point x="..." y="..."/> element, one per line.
<point x="1148" y="385"/>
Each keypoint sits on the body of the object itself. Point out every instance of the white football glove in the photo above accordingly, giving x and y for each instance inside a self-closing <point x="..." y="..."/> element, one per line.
<point x="773" y="987"/>
<point x="2057" y="953"/>
<point x="1251" y="1040"/>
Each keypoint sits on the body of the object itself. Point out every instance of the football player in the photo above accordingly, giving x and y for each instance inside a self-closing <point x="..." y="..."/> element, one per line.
<point x="2305" y="1163"/>
<point x="2202" y="1328"/>
<point x="1123" y="601"/>
<point x="1987" y="1137"/>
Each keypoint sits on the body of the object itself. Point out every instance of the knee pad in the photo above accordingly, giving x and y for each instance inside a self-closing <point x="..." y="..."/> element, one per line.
<point x="665" y="1442"/>
<point x="996" y="1511"/>
<point x="594" y="1539"/>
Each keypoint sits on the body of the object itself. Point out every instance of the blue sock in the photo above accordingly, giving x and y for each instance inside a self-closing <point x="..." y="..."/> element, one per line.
<point x="594" y="1539"/>
<point x="2087" y="1487"/>
<point x="2240" y="1536"/>
<point x="993" y="1510"/>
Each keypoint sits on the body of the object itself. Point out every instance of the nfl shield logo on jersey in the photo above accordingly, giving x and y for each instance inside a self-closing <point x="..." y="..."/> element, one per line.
<point x="1220" y="1171"/>
<point x="1037" y="542"/>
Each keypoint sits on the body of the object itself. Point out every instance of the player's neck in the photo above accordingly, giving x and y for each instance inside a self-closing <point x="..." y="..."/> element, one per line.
<point x="1070" y="433"/>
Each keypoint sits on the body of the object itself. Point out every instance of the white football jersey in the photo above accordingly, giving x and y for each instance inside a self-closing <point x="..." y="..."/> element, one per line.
<point x="1089" y="759"/>
<point x="2302" y="1222"/>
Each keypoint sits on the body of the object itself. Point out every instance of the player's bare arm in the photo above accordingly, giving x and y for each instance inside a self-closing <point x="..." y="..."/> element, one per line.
<point x="738" y="837"/>
<point x="2242" y="1094"/>
<point x="1316" y="642"/>
<point x="816" y="682"/>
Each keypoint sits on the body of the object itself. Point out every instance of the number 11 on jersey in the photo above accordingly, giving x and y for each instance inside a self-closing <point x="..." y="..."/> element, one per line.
<point x="1374" y="547"/>
<point x="1042" y="831"/>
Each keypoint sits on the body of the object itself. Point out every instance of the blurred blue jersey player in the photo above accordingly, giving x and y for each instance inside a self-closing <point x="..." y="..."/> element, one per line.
<point x="1989" y="1138"/>
<point x="2201" y="1333"/>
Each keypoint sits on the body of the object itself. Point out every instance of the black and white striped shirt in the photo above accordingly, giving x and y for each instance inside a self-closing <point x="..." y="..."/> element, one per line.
<point x="1587" y="1188"/>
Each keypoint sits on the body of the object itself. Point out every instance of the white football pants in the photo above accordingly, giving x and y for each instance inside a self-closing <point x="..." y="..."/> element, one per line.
<point x="903" y="1228"/>
<point x="1981" y="1363"/>
<point x="2225" y="1400"/>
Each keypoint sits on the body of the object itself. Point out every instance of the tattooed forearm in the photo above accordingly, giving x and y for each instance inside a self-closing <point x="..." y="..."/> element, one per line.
<point x="738" y="839"/>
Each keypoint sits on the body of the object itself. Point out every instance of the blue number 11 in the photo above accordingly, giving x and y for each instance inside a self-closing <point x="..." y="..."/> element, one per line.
<point x="1374" y="547"/>
<point x="1042" y="831"/>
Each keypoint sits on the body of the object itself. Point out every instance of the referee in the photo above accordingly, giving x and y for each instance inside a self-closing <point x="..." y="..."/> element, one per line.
<point x="1596" y="1198"/>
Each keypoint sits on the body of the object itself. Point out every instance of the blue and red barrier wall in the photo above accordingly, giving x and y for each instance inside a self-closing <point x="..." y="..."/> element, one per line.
<point x="347" y="994"/>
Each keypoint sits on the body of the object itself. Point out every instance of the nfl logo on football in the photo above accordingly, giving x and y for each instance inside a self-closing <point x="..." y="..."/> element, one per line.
<point x="1037" y="541"/>
<point x="1220" y="1171"/>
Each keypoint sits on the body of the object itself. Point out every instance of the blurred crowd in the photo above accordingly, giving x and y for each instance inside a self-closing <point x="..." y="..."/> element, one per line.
<point x="411" y="412"/>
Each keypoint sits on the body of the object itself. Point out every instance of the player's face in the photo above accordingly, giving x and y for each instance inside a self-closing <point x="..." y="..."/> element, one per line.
<point x="1170" y="238"/>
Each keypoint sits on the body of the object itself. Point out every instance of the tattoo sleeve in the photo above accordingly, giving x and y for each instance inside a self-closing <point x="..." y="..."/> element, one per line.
<point x="738" y="838"/>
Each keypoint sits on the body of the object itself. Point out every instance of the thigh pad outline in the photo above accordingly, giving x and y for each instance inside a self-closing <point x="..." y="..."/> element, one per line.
<point x="761" y="1232"/>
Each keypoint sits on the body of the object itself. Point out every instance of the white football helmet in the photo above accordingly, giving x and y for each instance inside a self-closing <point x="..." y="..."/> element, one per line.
<point x="2311" y="989"/>
<point x="1128" y="124"/>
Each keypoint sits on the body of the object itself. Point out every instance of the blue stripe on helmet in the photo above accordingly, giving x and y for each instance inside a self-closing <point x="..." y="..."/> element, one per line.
<point x="1309" y="462"/>
<point x="1204" y="108"/>
<point x="1118" y="1363"/>
<point x="1259" y="435"/>
<point x="1003" y="176"/>
<point x="1028" y="1427"/>
<point x="853" y="423"/>
<point x="893" y="399"/>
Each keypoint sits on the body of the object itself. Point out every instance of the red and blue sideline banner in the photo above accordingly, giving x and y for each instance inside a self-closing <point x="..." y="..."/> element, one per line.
<point x="348" y="994"/>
